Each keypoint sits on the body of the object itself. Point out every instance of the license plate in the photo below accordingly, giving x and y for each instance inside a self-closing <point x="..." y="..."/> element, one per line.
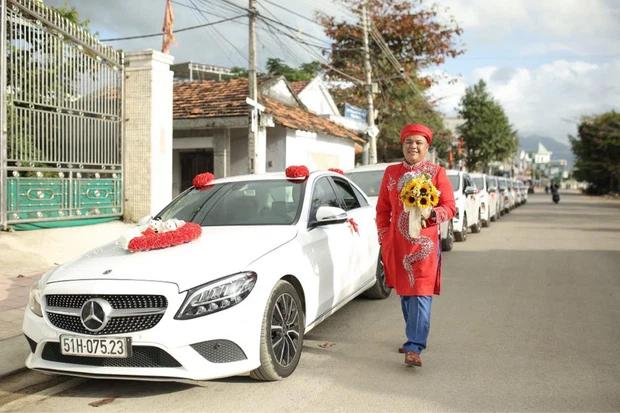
<point x="119" y="347"/>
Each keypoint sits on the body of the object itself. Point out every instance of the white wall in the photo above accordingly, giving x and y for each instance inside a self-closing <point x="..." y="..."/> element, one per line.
<point x="276" y="149"/>
<point x="238" y="152"/>
<point x="319" y="151"/>
<point x="317" y="99"/>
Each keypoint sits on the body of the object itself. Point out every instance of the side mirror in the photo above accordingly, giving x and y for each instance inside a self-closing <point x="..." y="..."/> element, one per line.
<point x="326" y="215"/>
<point x="470" y="190"/>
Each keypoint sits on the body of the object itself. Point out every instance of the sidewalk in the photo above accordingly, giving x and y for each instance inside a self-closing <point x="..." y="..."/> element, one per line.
<point x="24" y="257"/>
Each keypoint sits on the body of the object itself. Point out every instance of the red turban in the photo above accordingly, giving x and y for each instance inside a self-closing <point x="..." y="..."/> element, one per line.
<point x="416" y="129"/>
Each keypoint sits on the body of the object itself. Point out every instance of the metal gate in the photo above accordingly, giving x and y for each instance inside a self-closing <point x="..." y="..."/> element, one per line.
<point x="61" y="112"/>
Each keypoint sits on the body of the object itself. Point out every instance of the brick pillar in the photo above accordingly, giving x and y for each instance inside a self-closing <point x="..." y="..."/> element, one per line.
<point x="147" y="143"/>
<point x="221" y="153"/>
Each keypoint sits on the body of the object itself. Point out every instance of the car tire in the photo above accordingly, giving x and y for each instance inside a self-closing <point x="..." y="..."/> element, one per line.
<point x="448" y="242"/>
<point x="477" y="226"/>
<point x="462" y="235"/>
<point x="379" y="290"/>
<point x="280" y="351"/>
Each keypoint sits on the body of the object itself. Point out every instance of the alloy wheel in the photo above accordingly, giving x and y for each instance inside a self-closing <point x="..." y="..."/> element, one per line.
<point x="285" y="329"/>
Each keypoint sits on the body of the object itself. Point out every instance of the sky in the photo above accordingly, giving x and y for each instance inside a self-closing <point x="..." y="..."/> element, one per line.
<point x="547" y="62"/>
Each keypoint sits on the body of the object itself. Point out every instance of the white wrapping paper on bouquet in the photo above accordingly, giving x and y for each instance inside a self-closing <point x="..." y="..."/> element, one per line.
<point x="417" y="216"/>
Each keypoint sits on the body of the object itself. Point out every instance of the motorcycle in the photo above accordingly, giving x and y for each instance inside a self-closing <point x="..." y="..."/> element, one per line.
<point x="556" y="197"/>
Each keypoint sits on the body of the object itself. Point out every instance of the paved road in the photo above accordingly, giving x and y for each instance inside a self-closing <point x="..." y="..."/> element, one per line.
<point x="528" y="321"/>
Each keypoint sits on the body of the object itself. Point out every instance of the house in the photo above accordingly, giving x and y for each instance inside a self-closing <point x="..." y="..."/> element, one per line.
<point x="210" y="131"/>
<point x="542" y="155"/>
<point x="315" y="95"/>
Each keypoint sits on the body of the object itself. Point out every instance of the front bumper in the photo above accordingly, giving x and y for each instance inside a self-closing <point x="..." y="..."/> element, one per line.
<point x="218" y="345"/>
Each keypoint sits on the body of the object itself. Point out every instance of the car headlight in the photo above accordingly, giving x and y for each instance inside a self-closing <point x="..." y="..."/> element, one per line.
<point x="217" y="295"/>
<point x="34" y="300"/>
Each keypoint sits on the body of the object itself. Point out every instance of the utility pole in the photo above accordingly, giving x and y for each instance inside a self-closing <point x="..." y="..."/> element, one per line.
<point x="253" y="91"/>
<point x="372" y="155"/>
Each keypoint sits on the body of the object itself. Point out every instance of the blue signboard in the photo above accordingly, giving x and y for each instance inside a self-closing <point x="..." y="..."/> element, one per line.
<point x="356" y="113"/>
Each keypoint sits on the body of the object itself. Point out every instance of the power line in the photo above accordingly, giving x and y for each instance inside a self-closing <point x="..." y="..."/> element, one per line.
<point x="144" y="36"/>
<point x="292" y="12"/>
<point x="220" y="34"/>
<point x="204" y="11"/>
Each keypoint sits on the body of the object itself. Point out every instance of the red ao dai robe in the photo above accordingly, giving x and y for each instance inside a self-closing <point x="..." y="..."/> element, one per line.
<point x="412" y="265"/>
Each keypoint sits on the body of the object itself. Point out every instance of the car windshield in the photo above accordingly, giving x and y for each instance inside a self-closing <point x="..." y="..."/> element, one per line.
<point x="368" y="181"/>
<point x="479" y="182"/>
<point x="454" y="180"/>
<point x="491" y="182"/>
<point x="502" y="183"/>
<point x="268" y="202"/>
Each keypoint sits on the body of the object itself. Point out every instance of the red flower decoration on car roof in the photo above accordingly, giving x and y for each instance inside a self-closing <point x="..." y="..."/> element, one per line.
<point x="336" y="170"/>
<point x="297" y="172"/>
<point x="203" y="180"/>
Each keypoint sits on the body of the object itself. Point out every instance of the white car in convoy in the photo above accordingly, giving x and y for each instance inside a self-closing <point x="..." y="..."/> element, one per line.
<point x="467" y="216"/>
<point x="506" y="194"/>
<point x="368" y="178"/>
<point x="496" y="197"/>
<point x="275" y="258"/>
<point x="488" y="198"/>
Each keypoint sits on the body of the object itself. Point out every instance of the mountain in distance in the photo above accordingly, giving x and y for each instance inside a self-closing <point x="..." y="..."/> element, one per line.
<point x="558" y="149"/>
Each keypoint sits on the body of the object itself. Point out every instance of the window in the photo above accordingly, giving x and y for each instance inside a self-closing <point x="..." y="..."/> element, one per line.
<point x="360" y="196"/>
<point x="345" y="192"/>
<point x="269" y="202"/>
<point x="323" y="195"/>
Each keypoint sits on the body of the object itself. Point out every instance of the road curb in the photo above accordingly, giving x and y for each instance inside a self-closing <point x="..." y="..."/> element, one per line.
<point x="13" y="356"/>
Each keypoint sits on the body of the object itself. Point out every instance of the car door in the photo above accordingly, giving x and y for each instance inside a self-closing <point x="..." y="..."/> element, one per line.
<point x="328" y="248"/>
<point x="470" y="201"/>
<point x="364" y="230"/>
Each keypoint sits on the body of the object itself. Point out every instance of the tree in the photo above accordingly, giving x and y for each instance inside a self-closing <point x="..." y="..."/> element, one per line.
<point x="597" y="152"/>
<point x="306" y="71"/>
<point x="486" y="132"/>
<point x="418" y="38"/>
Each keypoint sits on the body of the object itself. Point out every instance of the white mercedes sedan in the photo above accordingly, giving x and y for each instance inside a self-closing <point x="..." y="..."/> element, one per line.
<point x="275" y="257"/>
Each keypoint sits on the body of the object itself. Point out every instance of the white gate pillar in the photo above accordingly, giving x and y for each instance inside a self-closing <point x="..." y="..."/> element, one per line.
<point x="147" y="145"/>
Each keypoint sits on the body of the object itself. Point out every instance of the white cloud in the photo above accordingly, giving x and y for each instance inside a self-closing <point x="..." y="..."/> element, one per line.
<point x="582" y="27"/>
<point x="547" y="100"/>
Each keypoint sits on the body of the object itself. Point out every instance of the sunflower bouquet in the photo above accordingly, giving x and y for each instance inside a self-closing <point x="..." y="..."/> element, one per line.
<point x="419" y="196"/>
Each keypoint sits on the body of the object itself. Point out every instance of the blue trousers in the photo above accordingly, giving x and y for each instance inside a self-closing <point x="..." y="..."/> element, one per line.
<point x="417" y="313"/>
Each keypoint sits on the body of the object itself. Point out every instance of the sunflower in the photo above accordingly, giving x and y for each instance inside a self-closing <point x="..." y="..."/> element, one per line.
<point x="433" y="198"/>
<point x="409" y="199"/>
<point x="425" y="188"/>
<point x="423" y="202"/>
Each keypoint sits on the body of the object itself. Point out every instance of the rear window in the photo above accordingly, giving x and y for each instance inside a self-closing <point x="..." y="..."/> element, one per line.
<point x="454" y="180"/>
<point x="479" y="182"/>
<point x="368" y="181"/>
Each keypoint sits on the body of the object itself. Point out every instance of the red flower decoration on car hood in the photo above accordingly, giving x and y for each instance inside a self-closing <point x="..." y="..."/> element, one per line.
<point x="151" y="240"/>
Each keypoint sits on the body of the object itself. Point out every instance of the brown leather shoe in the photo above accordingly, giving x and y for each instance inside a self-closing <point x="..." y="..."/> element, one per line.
<point x="413" y="359"/>
<point x="401" y="350"/>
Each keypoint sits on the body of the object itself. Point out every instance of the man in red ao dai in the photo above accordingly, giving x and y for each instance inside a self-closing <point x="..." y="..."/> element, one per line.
<point x="413" y="263"/>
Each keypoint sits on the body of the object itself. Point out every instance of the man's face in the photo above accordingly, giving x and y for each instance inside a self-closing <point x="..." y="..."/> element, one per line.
<point x="415" y="148"/>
